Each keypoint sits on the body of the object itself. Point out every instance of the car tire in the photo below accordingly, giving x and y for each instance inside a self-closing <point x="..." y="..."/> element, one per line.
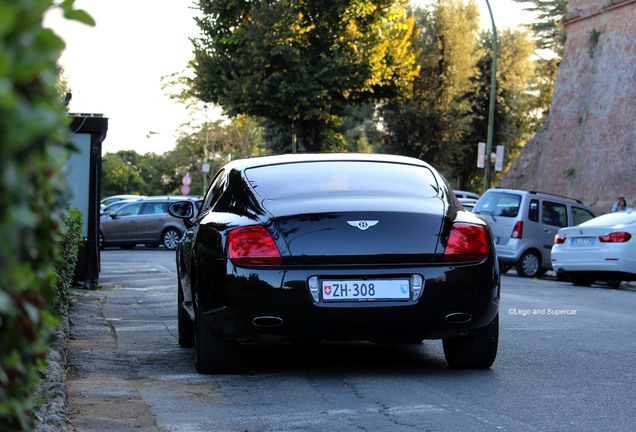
<point x="473" y="351"/>
<point x="170" y="238"/>
<point x="212" y="354"/>
<point x="529" y="265"/>
<point x="185" y="325"/>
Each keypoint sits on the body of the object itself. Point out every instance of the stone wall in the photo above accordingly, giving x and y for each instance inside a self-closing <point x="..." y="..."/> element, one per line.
<point x="587" y="148"/>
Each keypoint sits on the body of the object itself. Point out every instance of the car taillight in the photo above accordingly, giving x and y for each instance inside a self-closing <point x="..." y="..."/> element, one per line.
<point x="559" y="239"/>
<point x="252" y="245"/>
<point x="517" y="231"/>
<point x="616" y="237"/>
<point x="466" y="242"/>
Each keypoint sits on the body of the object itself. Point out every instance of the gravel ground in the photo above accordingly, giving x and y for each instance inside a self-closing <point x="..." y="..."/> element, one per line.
<point x="52" y="414"/>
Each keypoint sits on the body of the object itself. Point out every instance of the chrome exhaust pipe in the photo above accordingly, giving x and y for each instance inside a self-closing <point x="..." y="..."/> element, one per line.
<point x="267" y="321"/>
<point x="458" y="318"/>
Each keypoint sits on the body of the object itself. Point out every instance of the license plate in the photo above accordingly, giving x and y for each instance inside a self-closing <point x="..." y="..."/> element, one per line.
<point x="365" y="290"/>
<point x="582" y="241"/>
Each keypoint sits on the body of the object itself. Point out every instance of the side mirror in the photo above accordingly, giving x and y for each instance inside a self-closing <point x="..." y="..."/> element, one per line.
<point x="182" y="210"/>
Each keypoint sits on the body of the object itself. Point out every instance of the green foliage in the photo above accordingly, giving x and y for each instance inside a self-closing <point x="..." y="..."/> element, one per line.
<point x="34" y="134"/>
<point x="127" y="172"/>
<point x="446" y="114"/>
<point x="548" y="25"/>
<point x="301" y="64"/>
<point x="592" y="41"/>
<point x="434" y="121"/>
<point x="65" y="268"/>
<point x="121" y="176"/>
<point x="516" y="113"/>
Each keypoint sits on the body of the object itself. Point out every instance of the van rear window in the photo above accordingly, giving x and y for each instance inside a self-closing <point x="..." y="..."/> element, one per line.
<point x="499" y="204"/>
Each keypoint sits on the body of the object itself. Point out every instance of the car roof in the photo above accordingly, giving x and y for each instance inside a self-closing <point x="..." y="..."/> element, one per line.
<point x="171" y="197"/>
<point x="537" y="193"/>
<point x="242" y="164"/>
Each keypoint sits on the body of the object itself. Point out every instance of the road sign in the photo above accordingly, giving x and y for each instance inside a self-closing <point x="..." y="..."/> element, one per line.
<point x="185" y="190"/>
<point x="186" y="180"/>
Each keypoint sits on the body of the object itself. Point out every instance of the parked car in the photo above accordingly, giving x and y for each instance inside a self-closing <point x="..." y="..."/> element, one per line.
<point x="468" y="199"/>
<point x="524" y="224"/>
<point x="334" y="247"/>
<point x="145" y="221"/>
<point x="114" y="198"/>
<point x="110" y="208"/>
<point x="603" y="248"/>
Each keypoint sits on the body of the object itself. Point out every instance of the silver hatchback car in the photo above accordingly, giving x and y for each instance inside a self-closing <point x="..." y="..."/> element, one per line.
<point x="145" y="221"/>
<point x="524" y="224"/>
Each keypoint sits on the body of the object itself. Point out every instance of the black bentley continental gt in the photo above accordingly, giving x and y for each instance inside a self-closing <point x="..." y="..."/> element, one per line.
<point x="334" y="247"/>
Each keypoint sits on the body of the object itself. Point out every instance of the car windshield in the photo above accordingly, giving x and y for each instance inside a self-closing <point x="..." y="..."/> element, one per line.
<point x="308" y="178"/>
<point x="499" y="204"/>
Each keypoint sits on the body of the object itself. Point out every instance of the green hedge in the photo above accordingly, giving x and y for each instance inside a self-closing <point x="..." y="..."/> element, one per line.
<point x="69" y="246"/>
<point x="34" y="138"/>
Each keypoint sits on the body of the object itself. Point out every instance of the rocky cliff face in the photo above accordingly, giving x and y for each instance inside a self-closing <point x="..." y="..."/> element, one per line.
<point x="587" y="148"/>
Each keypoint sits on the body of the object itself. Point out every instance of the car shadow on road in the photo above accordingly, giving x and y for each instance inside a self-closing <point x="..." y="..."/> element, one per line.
<point x="353" y="357"/>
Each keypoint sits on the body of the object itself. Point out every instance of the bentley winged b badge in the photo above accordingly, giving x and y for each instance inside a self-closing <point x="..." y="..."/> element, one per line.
<point x="363" y="224"/>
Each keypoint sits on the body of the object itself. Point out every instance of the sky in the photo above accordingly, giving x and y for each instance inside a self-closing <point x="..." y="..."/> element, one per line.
<point x="115" y="68"/>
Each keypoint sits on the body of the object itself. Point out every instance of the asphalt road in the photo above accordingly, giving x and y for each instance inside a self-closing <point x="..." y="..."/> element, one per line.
<point x="565" y="363"/>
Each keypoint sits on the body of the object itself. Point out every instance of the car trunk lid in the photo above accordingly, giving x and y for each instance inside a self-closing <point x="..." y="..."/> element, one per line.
<point x="359" y="229"/>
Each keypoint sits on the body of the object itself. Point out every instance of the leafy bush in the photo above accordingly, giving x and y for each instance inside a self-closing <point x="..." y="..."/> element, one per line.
<point x="34" y="136"/>
<point x="69" y="246"/>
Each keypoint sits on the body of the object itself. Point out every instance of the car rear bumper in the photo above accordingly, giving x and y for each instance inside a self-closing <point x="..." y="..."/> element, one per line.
<point x="276" y="305"/>
<point x="582" y="262"/>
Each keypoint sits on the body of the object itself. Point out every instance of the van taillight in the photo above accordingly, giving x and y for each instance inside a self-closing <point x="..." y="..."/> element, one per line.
<point x="517" y="231"/>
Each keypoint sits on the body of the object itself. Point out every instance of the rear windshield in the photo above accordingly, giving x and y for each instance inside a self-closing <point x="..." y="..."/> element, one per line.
<point x="499" y="204"/>
<point x="288" y="180"/>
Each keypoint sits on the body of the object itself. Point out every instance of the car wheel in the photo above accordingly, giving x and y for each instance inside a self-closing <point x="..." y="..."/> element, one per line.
<point x="212" y="354"/>
<point x="529" y="265"/>
<point x="473" y="351"/>
<point x="184" y="324"/>
<point x="580" y="280"/>
<point x="170" y="238"/>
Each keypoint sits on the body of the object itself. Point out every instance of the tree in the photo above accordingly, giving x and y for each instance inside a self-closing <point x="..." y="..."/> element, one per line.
<point x="434" y="121"/>
<point x="300" y="64"/>
<point x="446" y="115"/>
<point x="548" y="26"/>
<point x="516" y="116"/>
<point x="120" y="174"/>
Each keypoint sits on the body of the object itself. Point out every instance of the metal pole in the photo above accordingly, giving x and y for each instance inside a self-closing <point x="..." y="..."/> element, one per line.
<point x="205" y="150"/>
<point x="493" y="97"/>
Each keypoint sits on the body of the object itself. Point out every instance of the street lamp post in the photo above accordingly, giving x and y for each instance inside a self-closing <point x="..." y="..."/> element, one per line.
<point x="491" y="107"/>
<point x="205" y="167"/>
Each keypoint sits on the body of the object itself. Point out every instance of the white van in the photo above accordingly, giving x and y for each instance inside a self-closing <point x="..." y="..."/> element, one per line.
<point x="524" y="224"/>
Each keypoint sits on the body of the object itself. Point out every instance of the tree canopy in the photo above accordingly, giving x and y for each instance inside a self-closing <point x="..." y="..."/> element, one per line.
<point x="301" y="64"/>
